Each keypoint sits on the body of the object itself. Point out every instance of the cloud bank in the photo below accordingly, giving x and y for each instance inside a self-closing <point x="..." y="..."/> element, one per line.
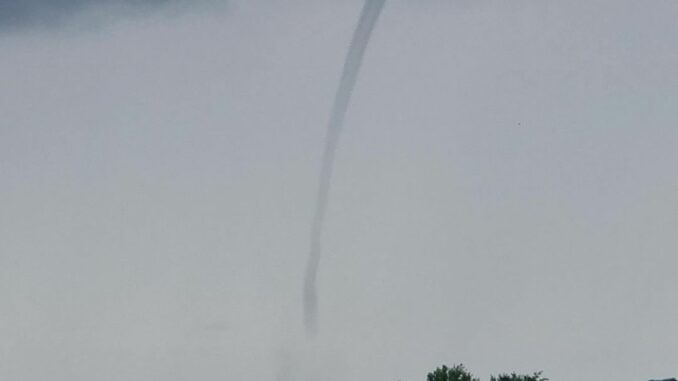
<point x="26" y="14"/>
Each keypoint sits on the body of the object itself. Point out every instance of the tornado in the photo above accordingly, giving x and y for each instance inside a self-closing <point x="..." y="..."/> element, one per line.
<point x="354" y="58"/>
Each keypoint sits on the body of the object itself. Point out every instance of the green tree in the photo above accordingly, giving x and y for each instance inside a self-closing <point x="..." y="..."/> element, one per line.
<point x="519" y="377"/>
<point x="456" y="373"/>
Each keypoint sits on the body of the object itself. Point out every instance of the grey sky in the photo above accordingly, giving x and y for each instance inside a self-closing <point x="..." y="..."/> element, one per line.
<point x="505" y="193"/>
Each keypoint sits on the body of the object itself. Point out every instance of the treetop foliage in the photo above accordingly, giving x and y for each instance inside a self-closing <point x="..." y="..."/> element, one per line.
<point x="459" y="373"/>
<point x="516" y="377"/>
<point x="456" y="373"/>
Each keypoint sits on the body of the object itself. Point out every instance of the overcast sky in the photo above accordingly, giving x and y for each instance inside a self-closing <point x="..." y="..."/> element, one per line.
<point x="505" y="192"/>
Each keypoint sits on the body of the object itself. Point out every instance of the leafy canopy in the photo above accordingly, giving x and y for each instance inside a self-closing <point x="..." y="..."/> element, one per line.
<point x="515" y="377"/>
<point x="459" y="373"/>
<point x="456" y="373"/>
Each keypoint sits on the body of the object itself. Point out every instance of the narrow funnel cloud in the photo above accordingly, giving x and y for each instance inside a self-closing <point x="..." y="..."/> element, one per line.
<point x="368" y="19"/>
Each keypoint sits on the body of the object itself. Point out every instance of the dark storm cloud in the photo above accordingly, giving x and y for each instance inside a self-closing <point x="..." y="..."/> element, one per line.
<point x="25" y="13"/>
